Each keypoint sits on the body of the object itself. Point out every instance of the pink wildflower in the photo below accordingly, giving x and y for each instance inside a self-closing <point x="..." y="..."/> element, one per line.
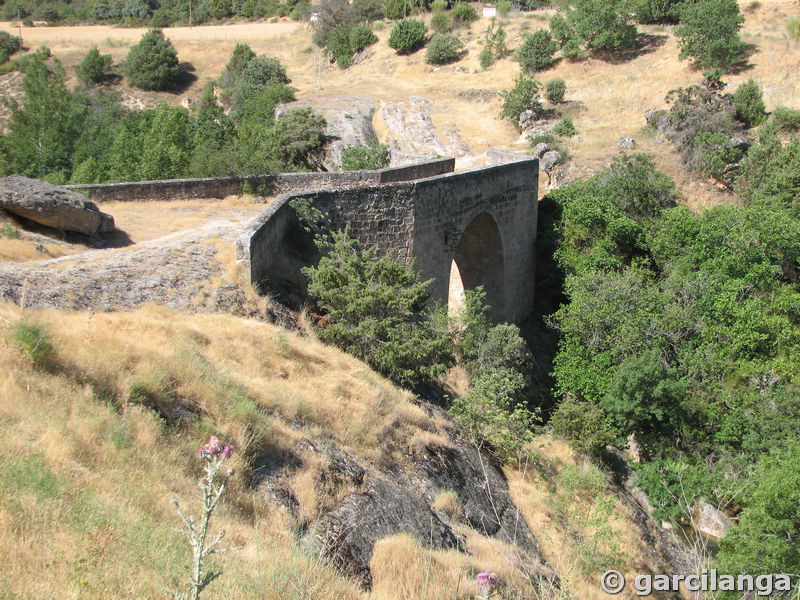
<point x="215" y="448"/>
<point x="486" y="583"/>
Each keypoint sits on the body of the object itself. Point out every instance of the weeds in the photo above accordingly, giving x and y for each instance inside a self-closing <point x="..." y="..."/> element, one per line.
<point x="34" y="341"/>
<point x="7" y="230"/>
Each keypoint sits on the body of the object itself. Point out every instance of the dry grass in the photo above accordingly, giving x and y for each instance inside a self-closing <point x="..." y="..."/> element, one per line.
<point x="101" y="462"/>
<point x="535" y="491"/>
<point x="447" y="502"/>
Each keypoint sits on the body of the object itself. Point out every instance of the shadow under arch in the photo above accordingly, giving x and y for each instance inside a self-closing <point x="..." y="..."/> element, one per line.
<point x="479" y="260"/>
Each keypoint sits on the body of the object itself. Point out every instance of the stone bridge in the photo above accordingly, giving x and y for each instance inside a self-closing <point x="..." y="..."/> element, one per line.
<point x="463" y="229"/>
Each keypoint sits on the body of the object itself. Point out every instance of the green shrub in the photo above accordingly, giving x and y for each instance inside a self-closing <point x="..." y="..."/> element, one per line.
<point x="357" y="158"/>
<point x="603" y="24"/>
<point x="242" y="54"/>
<point x="709" y="33"/>
<point x="32" y="338"/>
<point x="463" y="14"/>
<point x="395" y="9"/>
<point x="555" y="90"/>
<point x="536" y="52"/>
<point x="441" y="22"/>
<point x="9" y="43"/>
<point x="787" y="119"/>
<point x="443" y="48"/>
<point x="486" y="57"/>
<point x="749" y="102"/>
<point x="152" y="64"/>
<point x="94" y="66"/>
<point x="379" y="312"/>
<point x="361" y="36"/>
<point x="494" y="45"/>
<point x="3" y="56"/>
<point x="408" y="35"/>
<point x="369" y="11"/>
<point x="657" y="11"/>
<point x="503" y="8"/>
<point x="565" y="128"/>
<point x="523" y="96"/>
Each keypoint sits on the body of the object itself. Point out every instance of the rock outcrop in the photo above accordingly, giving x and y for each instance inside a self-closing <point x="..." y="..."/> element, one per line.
<point x="709" y="520"/>
<point x="53" y="206"/>
<point x="348" y="122"/>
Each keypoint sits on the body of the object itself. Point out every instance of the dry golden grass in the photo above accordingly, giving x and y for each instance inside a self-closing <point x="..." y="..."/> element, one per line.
<point x="447" y="502"/>
<point x="535" y="491"/>
<point x="90" y="424"/>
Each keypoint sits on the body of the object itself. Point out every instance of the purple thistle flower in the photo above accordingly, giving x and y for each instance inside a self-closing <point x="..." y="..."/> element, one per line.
<point x="215" y="448"/>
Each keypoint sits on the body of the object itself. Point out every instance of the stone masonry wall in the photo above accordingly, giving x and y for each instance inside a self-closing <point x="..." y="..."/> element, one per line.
<point x="274" y="184"/>
<point x="421" y="220"/>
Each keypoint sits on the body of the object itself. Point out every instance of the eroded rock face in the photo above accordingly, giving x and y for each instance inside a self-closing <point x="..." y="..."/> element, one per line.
<point x="53" y="206"/>
<point x="549" y="160"/>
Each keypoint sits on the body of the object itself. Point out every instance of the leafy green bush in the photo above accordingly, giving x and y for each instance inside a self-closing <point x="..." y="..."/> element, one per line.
<point x="152" y="64"/>
<point x="441" y="22"/>
<point x="240" y="57"/>
<point x="369" y="11"/>
<point x="537" y="51"/>
<point x="523" y="96"/>
<point x="395" y="9"/>
<point x="443" y="48"/>
<point x="356" y="158"/>
<point x="361" y="36"/>
<point x="793" y="28"/>
<point x="555" y="90"/>
<point x="709" y="33"/>
<point x="94" y="66"/>
<point x="603" y="24"/>
<point x="408" y="35"/>
<point x="463" y="14"/>
<point x="749" y="102"/>
<point x="379" y="312"/>
<point x="787" y="119"/>
<point x="657" y="11"/>
<point x="347" y="39"/>
<point x="504" y="7"/>
<point x="565" y="128"/>
<point x="9" y="44"/>
<point x="3" y="56"/>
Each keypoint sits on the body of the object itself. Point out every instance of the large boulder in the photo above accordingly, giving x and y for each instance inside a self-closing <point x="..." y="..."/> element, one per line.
<point x="710" y="520"/>
<point x="53" y="206"/>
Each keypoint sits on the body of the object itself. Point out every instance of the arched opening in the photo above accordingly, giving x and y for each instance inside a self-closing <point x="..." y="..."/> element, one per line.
<point x="478" y="260"/>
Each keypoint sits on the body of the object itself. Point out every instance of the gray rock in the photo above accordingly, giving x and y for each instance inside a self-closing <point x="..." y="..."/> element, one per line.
<point x="626" y="142"/>
<point x="350" y="531"/>
<point x="540" y="149"/>
<point x="658" y="141"/>
<point x="348" y="122"/>
<point x="53" y="206"/>
<point x="710" y="520"/>
<point x="740" y="143"/>
<point x="549" y="160"/>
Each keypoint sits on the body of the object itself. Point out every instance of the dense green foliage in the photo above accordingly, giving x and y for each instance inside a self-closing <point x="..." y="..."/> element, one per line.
<point x="9" y="44"/>
<point x="375" y="156"/>
<point x="537" y="51"/>
<point x="682" y="330"/>
<point x="523" y="96"/>
<point x="555" y="90"/>
<point x="463" y="14"/>
<point x="87" y="137"/>
<point x="657" y="11"/>
<point x="709" y="33"/>
<point x="94" y="67"/>
<point x="444" y="48"/>
<point x="749" y="102"/>
<point x="379" y="312"/>
<point x="152" y="64"/>
<point x="595" y="24"/>
<point x="408" y="35"/>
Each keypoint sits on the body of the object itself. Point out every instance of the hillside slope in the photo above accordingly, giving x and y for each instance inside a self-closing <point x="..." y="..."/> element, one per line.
<point x="100" y="417"/>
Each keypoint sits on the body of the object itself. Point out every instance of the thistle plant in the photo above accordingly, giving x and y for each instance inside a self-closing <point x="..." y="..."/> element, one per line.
<point x="486" y="583"/>
<point x="213" y="454"/>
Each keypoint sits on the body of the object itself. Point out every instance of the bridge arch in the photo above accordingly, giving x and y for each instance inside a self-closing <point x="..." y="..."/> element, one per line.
<point x="479" y="259"/>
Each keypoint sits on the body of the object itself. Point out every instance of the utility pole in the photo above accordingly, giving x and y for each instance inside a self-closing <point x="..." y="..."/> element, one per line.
<point x="190" y="13"/>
